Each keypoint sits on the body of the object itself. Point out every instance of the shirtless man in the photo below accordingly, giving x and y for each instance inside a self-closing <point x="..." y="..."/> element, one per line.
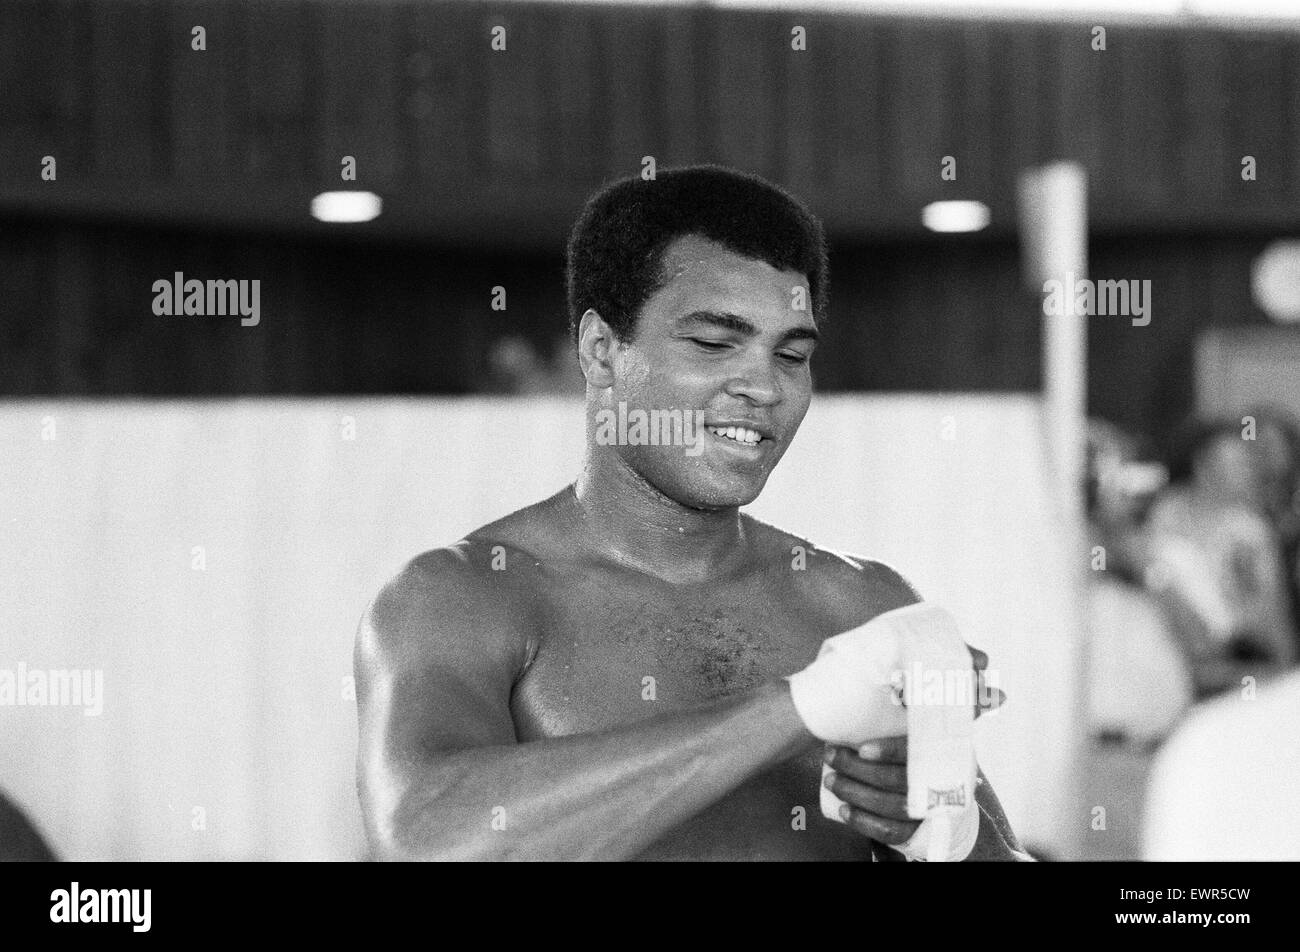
<point x="601" y="674"/>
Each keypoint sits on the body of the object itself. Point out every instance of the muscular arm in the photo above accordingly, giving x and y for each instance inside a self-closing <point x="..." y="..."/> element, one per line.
<point x="443" y="776"/>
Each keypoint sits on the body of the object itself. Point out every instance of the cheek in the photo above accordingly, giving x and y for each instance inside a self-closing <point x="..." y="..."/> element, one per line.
<point x="651" y="380"/>
<point x="797" y="401"/>
<point x="802" y="399"/>
<point x="631" y="372"/>
<point x="657" y="383"/>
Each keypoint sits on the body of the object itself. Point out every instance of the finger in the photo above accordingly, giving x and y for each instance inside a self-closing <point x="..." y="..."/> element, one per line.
<point x="879" y="802"/>
<point x="987" y="698"/>
<point x="885" y="750"/>
<point x="892" y="832"/>
<point x="991" y="699"/>
<point x="892" y="777"/>
<point x="979" y="659"/>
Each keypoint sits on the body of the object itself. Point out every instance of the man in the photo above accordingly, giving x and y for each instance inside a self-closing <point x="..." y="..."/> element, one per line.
<point x="1216" y="562"/>
<point x="599" y="675"/>
<point x="1212" y="795"/>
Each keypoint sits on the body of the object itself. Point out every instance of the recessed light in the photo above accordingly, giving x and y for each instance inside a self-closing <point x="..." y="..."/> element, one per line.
<point x="346" y="206"/>
<point x="955" y="216"/>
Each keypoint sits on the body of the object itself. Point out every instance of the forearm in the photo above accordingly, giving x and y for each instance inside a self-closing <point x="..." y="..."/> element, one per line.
<point x="996" y="842"/>
<point x="605" y="795"/>
<point x="993" y="846"/>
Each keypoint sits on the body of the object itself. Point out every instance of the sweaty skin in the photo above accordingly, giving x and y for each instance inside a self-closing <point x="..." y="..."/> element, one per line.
<point x="599" y="675"/>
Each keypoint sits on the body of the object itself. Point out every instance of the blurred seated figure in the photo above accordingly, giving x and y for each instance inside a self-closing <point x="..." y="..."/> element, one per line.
<point x="19" y="841"/>
<point x="1120" y="489"/>
<point x="1277" y="436"/>
<point x="1215" y="561"/>
<point x="1213" y="790"/>
<point x="1139" y="683"/>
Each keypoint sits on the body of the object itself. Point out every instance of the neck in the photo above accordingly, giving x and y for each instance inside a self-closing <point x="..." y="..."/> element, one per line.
<point x="631" y="522"/>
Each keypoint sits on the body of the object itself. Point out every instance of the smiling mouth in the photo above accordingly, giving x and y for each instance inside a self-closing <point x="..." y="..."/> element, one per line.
<point x="738" y="434"/>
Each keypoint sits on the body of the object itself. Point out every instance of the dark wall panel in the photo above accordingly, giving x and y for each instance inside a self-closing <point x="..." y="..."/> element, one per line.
<point x="285" y="88"/>
<point x="177" y="160"/>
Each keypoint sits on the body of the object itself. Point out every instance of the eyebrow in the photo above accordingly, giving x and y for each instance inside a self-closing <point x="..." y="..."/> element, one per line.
<point x="734" y="322"/>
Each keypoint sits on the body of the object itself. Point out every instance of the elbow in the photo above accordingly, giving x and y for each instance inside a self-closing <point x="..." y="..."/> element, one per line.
<point x="401" y="834"/>
<point x="427" y="831"/>
<point x="391" y="840"/>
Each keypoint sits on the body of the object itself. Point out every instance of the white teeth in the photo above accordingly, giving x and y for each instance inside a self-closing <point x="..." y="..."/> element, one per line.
<point x="738" y="433"/>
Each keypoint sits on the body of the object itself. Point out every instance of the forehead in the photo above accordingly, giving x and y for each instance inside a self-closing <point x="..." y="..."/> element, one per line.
<point x="694" y="264"/>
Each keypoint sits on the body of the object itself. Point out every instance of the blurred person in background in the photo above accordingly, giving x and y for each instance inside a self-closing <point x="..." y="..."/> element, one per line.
<point x="1139" y="679"/>
<point x="1277" y="441"/>
<point x="1120" y="486"/>
<point x="1215" y="785"/>
<point x="19" y="839"/>
<point x="1215" y="561"/>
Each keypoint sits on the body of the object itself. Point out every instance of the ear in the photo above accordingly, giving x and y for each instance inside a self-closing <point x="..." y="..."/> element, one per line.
<point x="596" y="342"/>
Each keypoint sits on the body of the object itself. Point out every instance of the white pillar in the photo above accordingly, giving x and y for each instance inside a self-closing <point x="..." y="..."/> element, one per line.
<point x="1053" y="211"/>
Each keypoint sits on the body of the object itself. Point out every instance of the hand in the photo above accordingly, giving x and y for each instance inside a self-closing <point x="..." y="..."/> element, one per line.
<point x="851" y="691"/>
<point x="872" y="781"/>
<point x="985" y="699"/>
<point x="873" y="788"/>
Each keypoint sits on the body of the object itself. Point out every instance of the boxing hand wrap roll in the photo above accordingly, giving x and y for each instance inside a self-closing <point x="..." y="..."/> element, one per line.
<point x="847" y="696"/>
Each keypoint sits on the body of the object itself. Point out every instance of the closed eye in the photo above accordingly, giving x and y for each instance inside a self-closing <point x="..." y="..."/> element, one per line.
<point x="714" y="346"/>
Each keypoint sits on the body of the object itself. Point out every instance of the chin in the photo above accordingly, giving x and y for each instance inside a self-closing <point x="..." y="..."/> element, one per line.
<point x="697" y="484"/>
<point x="723" y="494"/>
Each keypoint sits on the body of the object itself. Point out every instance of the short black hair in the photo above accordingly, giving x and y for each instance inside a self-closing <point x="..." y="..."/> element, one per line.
<point x="615" y="251"/>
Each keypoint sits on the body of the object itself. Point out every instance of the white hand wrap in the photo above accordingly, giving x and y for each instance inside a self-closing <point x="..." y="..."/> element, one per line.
<point x="944" y="837"/>
<point x="848" y="696"/>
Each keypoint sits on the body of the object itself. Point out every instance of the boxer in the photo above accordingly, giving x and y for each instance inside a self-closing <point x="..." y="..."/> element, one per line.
<point x="603" y="674"/>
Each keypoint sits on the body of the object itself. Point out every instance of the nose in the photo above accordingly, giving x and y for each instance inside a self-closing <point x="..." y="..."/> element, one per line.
<point x="756" y="382"/>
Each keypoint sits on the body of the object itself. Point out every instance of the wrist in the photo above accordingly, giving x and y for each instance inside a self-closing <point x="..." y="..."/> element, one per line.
<point x="779" y="705"/>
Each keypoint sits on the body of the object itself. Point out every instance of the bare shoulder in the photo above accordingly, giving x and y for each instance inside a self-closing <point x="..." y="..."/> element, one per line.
<point x="439" y="600"/>
<point x="871" y="577"/>
<point x="471" y="598"/>
<point x="860" y="587"/>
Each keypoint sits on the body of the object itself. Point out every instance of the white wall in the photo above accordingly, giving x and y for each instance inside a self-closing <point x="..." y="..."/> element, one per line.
<point x="225" y="687"/>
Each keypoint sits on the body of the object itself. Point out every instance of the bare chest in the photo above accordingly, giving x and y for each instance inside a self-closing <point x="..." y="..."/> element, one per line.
<point x="615" y="657"/>
<point x="612" y="654"/>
